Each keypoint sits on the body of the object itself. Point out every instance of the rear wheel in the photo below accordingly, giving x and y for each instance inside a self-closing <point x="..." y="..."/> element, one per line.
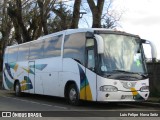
<point x="73" y="95"/>
<point x="18" y="89"/>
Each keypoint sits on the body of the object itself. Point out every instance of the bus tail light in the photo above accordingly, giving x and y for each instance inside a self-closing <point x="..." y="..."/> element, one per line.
<point x="108" y="88"/>
<point x="144" y="89"/>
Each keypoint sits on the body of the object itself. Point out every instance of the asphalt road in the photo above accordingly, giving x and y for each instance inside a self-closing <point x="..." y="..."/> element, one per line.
<point x="30" y="102"/>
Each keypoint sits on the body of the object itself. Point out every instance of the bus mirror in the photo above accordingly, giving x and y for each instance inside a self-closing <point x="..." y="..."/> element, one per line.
<point x="153" y="49"/>
<point x="100" y="44"/>
<point x="89" y="35"/>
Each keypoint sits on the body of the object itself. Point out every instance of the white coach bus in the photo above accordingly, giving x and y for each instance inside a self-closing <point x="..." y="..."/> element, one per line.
<point x="80" y="64"/>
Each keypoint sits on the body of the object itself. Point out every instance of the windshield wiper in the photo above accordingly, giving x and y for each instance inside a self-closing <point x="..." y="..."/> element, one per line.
<point x="123" y="71"/>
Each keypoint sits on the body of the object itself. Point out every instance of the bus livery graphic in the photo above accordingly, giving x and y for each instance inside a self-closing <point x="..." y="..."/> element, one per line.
<point x="38" y="66"/>
<point x="14" y="66"/>
<point x="85" y="90"/>
<point x="8" y="82"/>
<point x="26" y="84"/>
<point x="136" y="95"/>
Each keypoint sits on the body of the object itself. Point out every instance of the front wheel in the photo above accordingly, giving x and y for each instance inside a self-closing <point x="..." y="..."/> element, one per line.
<point x="73" y="95"/>
<point x="18" y="89"/>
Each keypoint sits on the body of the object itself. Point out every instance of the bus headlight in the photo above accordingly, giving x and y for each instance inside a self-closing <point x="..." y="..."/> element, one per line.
<point x="144" y="89"/>
<point x="108" y="88"/>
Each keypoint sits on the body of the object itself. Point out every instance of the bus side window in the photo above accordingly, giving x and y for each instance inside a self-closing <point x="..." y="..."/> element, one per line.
<point x="12" y="54"/>
<point x="91" y="60"/>
<point x="23" y="52"/>
<point x="52" y="46"/>
<point x="36" y="50"/>
<point x="6" y="56"/>
<point x="90" y="54"/>
<point x="74" y="47"/>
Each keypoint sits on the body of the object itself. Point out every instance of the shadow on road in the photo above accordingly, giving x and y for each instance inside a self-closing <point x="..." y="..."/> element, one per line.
<point x="84" y="104"/>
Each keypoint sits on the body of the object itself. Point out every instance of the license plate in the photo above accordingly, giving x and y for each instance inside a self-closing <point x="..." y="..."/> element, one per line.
<point x="127" y="97"/>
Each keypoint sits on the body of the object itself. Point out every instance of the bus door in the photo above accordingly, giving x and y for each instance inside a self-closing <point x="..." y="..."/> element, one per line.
<point x="91" y="77"/>
<point x="31" y="77"/>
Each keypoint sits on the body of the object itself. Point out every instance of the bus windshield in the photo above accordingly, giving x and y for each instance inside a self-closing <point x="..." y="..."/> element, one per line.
<point x="122" y="54"/>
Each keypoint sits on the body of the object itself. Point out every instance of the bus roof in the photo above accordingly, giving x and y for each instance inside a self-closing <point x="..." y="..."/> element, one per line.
<point x="71" y="31"/>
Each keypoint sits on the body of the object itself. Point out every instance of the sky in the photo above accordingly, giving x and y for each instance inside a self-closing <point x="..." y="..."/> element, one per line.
<point x="141" y="17"/>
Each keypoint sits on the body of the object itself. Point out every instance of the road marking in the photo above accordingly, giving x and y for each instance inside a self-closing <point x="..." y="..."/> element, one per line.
<point x="35" y="102"/>
<point x="60" y="107"/>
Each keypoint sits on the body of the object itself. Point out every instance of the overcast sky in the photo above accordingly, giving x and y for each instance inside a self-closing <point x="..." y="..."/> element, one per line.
<point x="141" y="17"/>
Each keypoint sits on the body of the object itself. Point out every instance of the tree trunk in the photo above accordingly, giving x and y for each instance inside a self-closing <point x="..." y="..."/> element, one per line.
<point x="43" y="14"/>
<point x="96" y="12"/>
<point x="5" y="29"/>
<point x="15" y="13"/>
<point x="76" y="14"/>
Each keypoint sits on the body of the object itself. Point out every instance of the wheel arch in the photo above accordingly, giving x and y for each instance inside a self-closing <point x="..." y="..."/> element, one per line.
<point x="15" y="84"/>
<point x="68" y="83"/>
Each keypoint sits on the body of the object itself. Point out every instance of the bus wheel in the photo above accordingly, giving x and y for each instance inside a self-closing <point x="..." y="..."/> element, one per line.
<point x="73" y="95"/>
<point x="18" y="89"/>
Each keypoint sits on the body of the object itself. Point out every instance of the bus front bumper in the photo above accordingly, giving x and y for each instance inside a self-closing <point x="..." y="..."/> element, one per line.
<point x="121" y="96"/>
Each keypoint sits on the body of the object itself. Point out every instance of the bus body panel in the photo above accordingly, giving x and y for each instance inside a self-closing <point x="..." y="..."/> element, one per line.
<point x="49" y="76"/>
<point x="70" y="73"/>
<point x="84" y="78"/>
<point x="42" y="80"/>
<point x="124" y="92"/>
<point x="92" y="80"/>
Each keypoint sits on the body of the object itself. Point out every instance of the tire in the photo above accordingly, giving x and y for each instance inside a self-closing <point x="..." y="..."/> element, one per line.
<point x="18" y="90"/>
<point x="73" y="95"/>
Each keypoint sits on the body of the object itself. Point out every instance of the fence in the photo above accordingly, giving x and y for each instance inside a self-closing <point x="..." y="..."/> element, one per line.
<point x="154" y="78"/>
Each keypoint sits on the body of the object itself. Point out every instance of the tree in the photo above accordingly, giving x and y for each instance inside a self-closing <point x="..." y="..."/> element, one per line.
<point x="5" y="29"/>
<point x="29" y="18"/>
<point x="15" y="13"/>
<point x="68" y="18"/>
<point x="96" y="12"/>
<point x="76" y="14"/>
<point x="45" y="6"/>
<point x="63" y="17"/>
<point x="110" y="17"/>
<point x="110" y="21"/>
<point x="103" y="15"/>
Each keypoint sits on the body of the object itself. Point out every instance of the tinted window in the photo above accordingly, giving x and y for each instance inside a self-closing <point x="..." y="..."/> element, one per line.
<point x="36" y="50"/>
<point x="23" y="52"/>
<point x="74" y="47"/>
<point x="90" y="43"/>
<point x="91" y="59"/>
<point x="52" y="46"/>
<point x="6" y="56"/>
<point x="12" y="54"/>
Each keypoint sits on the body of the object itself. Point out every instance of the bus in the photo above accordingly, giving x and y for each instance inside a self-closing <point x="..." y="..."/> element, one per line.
<point x="80" y="64"/>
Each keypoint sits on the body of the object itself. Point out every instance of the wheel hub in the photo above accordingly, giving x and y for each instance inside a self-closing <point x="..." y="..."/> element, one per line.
<point x="72" y="94"/>
<point x="17" y="88"/>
